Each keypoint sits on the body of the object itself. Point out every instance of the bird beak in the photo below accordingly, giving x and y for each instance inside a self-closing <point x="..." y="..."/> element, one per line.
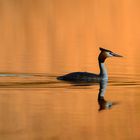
<point x="116" y="55"/>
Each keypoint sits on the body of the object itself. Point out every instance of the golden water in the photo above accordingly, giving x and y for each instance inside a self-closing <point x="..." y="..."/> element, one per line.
<point x="41" y="39"/>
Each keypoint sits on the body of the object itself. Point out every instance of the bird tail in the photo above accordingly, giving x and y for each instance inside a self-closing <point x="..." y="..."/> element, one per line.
<point x="60" y="78"/>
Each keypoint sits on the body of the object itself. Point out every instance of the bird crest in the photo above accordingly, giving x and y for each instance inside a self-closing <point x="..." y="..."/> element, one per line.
<point x="102" y="49"/>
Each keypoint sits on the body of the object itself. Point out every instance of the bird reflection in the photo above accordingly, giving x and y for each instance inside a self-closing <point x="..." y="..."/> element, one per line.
<point x="104" y="104"/>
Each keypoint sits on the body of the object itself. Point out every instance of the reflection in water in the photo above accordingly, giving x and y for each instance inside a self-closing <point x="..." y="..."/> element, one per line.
<point x="41" y="107"/>
<point x="57" y="37"/>
<point x="104" y="104"/>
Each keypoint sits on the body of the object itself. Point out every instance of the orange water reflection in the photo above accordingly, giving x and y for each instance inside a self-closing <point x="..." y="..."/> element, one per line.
<point x="60" y="36"/>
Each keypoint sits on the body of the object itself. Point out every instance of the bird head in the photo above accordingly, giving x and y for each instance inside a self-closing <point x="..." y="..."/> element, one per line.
<point x="106" y="53"/>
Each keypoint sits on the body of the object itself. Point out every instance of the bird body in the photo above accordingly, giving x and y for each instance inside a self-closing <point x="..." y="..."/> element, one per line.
<point x="79" y="77"/>
<point x="90" y="77"/>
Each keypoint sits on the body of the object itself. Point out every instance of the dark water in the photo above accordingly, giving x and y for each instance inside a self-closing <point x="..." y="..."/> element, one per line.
<point x="37" y="106"/>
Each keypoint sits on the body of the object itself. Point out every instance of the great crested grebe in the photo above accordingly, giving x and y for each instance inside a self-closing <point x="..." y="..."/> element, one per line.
<point x="90" y="77"/>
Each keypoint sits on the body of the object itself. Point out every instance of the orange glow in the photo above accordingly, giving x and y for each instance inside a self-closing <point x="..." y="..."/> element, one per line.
<point x="59" y="36"/>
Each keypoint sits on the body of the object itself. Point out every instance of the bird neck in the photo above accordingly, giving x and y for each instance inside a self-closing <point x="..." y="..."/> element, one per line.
<point x="103" y="71"/>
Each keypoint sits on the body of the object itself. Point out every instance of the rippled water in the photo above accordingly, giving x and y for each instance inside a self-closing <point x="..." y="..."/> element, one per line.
<point x="42" y="39"/>
<point x="37" y="106"/>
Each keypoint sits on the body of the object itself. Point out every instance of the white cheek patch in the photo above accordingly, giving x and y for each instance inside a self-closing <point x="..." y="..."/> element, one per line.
<point x="108" y="54"/>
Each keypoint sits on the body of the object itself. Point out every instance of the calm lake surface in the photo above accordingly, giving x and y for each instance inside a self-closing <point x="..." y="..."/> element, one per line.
<point x="37" y="106"/>
<point x="42" y="39"/>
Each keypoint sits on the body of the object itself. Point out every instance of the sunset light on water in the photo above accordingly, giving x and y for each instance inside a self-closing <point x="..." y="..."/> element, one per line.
<point x="43" y="39"/>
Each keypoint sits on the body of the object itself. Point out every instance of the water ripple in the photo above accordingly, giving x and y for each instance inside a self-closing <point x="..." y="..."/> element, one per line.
<point x="37" y="80"/>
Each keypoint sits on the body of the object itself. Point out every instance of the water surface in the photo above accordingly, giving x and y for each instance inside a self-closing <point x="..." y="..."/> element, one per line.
<point x="37" y="106"/>
<point x="42" y="39"/>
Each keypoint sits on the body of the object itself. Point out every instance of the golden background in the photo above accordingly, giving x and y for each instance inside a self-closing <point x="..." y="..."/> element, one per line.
<point x="60" y="36"/>
<point x="64" y="35"/>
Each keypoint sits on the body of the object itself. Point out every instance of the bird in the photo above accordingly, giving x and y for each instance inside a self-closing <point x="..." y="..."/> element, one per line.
<point x="91" y="77"/>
